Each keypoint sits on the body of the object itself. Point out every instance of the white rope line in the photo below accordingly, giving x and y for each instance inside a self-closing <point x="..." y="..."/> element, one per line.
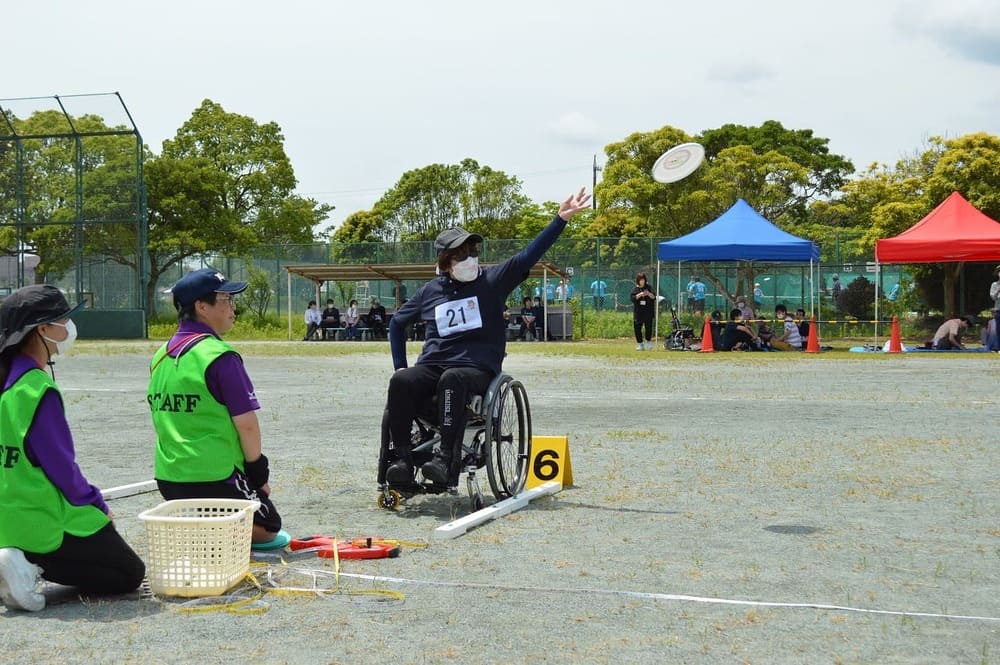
<point x="669" y="596"/>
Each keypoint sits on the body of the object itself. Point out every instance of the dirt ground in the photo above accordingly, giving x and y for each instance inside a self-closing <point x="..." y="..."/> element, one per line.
<point x="726" y="508"/>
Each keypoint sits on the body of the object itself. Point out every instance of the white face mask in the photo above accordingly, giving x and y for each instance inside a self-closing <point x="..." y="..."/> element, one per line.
<point x="467" y="270"/>
<point x="63" y="347"/>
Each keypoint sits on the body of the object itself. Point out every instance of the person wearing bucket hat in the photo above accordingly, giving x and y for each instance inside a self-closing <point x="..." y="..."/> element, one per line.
<point x="204" y="408"/>
<point x="56" y="525"/>
<point x="464" y="340"/>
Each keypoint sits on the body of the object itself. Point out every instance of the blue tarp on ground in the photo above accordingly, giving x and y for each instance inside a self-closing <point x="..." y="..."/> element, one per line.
<point x="739" y="234"/>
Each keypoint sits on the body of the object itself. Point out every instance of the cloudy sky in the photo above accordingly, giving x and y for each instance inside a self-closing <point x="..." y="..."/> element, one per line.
<point x="365" y="91"/>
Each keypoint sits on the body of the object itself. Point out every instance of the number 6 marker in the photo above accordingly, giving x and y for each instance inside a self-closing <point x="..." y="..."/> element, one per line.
<point x="549" y="461"/>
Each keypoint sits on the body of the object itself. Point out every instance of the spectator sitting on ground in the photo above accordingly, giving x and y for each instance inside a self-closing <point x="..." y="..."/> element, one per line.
<point x="746" y="312"/>
<point x="330" y="315"/>
<point x="790" y="339"/>
<point x="312" y="318"/>
<point x="718" y="328"/>
<point x="737" y="336"/>
<point x="803" y="323"/>
<point x="949" y="335"/>
<point x="376" y="319"/>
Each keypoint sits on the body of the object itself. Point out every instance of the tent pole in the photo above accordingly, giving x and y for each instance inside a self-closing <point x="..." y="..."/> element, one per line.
<point x="289" y="306"/>
<point x="656" y="312"/>
<point x="878" y="278"/>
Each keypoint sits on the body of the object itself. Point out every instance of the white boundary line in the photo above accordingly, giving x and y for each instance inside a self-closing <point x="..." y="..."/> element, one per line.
<point x="460" y="526"/>
<point x="668" y="596"/>
<point x="129" y="490"/>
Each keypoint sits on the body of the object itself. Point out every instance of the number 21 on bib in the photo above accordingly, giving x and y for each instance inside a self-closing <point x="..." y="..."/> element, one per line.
<point x="457" y="316"/>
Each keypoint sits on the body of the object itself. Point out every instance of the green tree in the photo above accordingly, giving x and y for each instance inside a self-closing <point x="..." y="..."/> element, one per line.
<point x="222" y="185"/>
<point x="885" y="201"/>
<point x="76" y="180"/>
<point x="427" y="200"/>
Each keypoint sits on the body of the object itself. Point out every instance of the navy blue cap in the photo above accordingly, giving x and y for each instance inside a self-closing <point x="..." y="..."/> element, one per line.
<point x="198" y="284"/>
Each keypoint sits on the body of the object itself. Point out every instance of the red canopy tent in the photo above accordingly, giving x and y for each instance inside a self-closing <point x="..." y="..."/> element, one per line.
<point x="954" y="231"/>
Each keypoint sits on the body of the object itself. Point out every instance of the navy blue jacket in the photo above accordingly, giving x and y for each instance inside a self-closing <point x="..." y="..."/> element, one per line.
<point x="483" y="347"/>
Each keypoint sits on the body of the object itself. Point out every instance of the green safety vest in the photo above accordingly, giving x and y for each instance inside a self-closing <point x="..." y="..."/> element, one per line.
<point x="196" y="439"/>
<point x="36" y="514"/>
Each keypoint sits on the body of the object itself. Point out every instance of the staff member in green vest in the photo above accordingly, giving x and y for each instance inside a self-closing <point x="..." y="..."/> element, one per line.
<point x="208" y="441"/>
<point x="55" y="524"/>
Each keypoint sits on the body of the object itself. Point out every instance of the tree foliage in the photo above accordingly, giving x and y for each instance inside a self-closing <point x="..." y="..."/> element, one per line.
<point x="778" y="171"/>
<point x="222" y="185"/>
<point x="887" y="200"/>
<point x="427" y="200"/>
<point x="75" y="180"/>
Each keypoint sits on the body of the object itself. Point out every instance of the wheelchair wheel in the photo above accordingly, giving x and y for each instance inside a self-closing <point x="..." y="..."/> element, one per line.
<point x="508" y="442"/>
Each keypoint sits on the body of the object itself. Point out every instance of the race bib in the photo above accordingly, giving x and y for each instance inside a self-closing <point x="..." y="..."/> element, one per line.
<point x="458" y="316"/>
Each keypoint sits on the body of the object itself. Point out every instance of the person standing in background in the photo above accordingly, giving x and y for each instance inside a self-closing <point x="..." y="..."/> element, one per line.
<point x="643" y="312"/>
<point x="993" y="343"/>
<point x="598" y="289"/>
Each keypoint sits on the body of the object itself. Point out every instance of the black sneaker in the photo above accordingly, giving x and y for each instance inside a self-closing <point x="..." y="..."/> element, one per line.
<point x="436" y="471"/>
<point x="399" y="473"/>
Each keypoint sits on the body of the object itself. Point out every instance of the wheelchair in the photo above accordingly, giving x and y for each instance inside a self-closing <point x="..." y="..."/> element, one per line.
<point x="501" y="442"/>
<point x="680" y="338"/>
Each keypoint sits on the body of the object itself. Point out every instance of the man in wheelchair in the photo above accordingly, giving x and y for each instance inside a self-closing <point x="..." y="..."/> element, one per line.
<point x="464" y="342"/>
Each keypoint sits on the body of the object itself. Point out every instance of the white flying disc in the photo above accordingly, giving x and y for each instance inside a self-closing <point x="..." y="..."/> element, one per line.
<point x="678" y="163"/>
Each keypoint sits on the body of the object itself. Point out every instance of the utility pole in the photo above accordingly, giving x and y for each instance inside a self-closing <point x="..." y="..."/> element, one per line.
<point x="597" y="169"/>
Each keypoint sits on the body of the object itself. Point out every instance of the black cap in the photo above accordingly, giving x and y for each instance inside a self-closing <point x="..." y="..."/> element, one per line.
<point x="198" y="284"/>
<point x="454" y="237"/>
<point x="970" y="319"/>
<point x="28" y="308"/>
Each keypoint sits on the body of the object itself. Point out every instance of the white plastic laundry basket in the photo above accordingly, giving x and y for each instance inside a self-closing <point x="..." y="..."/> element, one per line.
<point x="198" y="547"/>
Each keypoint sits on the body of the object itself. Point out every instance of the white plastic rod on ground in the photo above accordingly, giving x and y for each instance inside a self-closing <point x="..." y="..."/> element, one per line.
<point x="129" y="490"/>
<point x="505" y="507"/>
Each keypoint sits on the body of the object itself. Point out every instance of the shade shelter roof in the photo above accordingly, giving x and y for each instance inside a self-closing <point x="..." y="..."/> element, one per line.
<point x="739" y="234"/>
<point x="318" y="274"/>
<point x="954" y="231"/>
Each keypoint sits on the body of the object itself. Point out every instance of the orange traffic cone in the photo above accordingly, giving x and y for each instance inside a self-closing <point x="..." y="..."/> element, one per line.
<point x="895" y="344"/>
<point x="812" y="344"/>
<point x="706" y="337"/>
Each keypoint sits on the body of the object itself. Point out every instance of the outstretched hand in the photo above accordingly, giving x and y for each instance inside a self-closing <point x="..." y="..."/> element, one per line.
<point x="574" y="204"/>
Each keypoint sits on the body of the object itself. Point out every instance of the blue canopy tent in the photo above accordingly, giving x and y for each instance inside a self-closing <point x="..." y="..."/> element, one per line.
<point x="739" y="234"/>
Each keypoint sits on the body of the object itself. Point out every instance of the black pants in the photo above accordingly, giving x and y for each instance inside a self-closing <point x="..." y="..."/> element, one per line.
<point x="311" y="329"/>
<point x="638" y="324"/>
<point x="237" y="486"/>
<point x="412" y="388"/>
<point x="101" y="563"/>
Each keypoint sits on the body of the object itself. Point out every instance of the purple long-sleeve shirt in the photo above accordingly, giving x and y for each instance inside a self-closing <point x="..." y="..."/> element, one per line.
<point x="49" y="443"/>
<point x="226" y="377"/>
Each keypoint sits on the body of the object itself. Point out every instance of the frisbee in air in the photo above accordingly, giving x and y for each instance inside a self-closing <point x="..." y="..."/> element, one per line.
<point x="678" y="163"/>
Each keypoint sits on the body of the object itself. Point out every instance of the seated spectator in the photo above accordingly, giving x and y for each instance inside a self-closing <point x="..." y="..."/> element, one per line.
<point x="312" y="318"/>
<point x="330" y="315"/>
<point x="377" y="319"/>
<point x="527" y="332"/>
<point x="746" y="312"/>
<point x="539" y="313"/>
<point x="737" y="336"/>
<point x="718" y="329"/>
<point x="803" y="322"/>
<point x="949" y="335"/>
<point x="790" y="339"/>
<point x="351" y="320"/>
